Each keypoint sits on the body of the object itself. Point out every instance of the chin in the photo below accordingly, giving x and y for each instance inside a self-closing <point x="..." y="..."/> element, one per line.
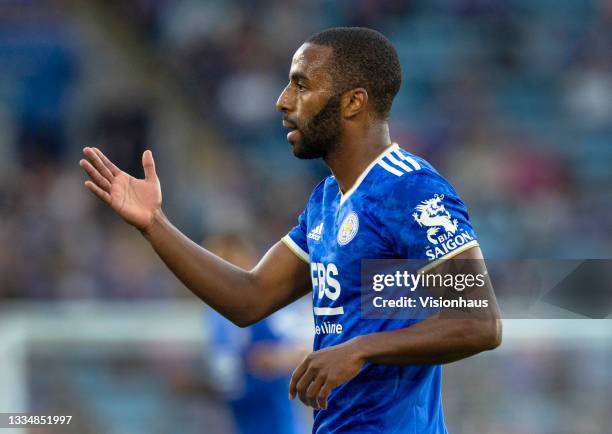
<point x="299" y="153"/>
<point x="305" y="153"/>
<point x="297" y="148"/>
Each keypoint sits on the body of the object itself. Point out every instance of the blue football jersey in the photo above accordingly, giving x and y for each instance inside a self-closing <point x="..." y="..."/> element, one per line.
<point x="399" y="207"/>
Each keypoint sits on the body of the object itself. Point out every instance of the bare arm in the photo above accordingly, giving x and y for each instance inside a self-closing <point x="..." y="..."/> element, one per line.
<point x="242" y="296"/>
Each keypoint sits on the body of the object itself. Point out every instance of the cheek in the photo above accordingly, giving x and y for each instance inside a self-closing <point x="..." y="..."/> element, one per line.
<point x="307" y="105"/>
<point x="301" y="104"/>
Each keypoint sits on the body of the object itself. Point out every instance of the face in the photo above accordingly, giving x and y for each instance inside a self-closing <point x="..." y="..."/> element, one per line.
<point x="309" y="106"/>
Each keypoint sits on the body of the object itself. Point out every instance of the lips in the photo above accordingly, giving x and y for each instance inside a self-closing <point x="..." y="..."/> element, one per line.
<point x="291" y="135"/>
<point x="288" y="124"/>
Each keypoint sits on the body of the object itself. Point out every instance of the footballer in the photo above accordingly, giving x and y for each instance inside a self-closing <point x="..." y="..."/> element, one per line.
<point x="380" y="201"/>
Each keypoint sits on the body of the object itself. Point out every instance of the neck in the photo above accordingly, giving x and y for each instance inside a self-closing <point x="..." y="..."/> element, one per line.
<point x="355" y="152"/>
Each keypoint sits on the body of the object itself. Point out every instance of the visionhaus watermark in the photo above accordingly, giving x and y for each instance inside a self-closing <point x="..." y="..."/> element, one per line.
<point x="404" y="289"/>
<point x="413" y="281"/>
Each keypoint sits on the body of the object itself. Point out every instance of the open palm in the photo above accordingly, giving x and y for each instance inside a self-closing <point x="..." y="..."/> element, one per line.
<point x="135" y="200"/>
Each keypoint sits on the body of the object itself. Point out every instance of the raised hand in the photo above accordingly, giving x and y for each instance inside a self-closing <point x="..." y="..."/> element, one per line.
<point x="135" y="200"/>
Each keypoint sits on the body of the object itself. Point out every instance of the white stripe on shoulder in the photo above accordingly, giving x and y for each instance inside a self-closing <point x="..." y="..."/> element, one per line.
<point x="399" y="163"/>
<point x="388" y="168"/>
<point x="297" y="250"/>
<point x="409" y="159"/>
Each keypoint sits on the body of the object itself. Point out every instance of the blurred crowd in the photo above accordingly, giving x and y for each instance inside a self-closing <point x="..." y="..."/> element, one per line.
<point x="510" y="99"/>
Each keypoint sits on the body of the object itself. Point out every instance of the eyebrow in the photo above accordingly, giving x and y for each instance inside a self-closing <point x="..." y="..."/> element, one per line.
<point x="297" y="76"/>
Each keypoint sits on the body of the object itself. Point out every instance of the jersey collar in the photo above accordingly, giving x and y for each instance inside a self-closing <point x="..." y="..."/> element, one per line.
<point x="344" y="197"/>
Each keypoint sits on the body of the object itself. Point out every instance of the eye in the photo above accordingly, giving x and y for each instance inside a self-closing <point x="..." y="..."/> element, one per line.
<point x="300" y="87"/>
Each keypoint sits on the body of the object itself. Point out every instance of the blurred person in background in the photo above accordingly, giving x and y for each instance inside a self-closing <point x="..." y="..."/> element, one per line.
<point x="251" y="366"/>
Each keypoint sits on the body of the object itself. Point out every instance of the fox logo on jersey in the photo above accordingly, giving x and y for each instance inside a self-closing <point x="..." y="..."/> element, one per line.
<point x="348" y="229"/>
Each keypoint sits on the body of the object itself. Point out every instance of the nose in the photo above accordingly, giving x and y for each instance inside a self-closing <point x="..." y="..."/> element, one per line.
<point x="283" y="102"/>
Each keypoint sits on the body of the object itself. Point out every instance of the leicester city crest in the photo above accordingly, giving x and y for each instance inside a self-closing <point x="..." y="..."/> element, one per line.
<point x="348" y="228"/>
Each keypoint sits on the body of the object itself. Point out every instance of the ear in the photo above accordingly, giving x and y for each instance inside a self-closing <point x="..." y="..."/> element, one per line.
<point x="354" y="102"/>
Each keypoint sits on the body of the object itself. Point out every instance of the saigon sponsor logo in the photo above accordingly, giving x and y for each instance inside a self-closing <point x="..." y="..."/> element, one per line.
<point x="442" y="230"/>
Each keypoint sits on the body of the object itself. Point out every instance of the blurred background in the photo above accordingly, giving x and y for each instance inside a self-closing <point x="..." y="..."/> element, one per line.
<point x="510" y="99"/>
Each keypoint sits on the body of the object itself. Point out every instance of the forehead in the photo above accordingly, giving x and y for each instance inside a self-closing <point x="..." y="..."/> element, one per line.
<point x="311" y="61"/>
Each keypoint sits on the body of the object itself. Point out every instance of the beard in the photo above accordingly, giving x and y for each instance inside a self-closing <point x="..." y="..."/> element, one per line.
<point x="321" y="134"/>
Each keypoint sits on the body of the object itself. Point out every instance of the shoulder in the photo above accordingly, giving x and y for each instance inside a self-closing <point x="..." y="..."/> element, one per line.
<point x="319" y="188"/>
<point x="318" y="192"/>
<point x="402" y="177"/>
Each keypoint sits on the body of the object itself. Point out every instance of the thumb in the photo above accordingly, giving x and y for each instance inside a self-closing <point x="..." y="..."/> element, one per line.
<point x="149" y="165"/>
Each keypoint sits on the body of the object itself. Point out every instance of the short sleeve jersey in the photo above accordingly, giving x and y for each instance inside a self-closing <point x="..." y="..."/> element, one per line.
<point x="399" y="207"/>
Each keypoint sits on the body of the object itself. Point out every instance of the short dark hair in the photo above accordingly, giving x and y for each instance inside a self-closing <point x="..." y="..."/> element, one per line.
<point x="363" y="57"/>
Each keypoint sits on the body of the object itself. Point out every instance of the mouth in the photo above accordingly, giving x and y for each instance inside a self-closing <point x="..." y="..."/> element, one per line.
<point x="289" y="124"/>
<point x="291" y="135"/>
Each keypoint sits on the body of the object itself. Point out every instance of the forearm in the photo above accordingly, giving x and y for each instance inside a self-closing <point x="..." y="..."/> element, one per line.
<point x="241" y="296"/>
<point x="431" y="341"/>
<point x="226" y="288"/>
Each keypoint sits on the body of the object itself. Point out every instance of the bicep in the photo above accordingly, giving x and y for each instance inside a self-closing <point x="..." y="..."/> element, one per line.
<point x="280" y="278"/>
<point x="477" y="288"/>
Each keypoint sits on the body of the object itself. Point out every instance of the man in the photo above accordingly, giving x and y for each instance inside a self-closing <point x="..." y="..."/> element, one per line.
<point x="365" y="376"/>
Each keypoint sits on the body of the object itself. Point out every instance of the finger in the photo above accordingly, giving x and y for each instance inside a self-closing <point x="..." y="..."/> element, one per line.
<point x="313" y="391"/>
<point x="102" y="195"/>
<point x="324" y="395"/>
<point x="302" y="385"/>
<point x="108" y="163"/>
<point x="295" y="377"/>
<point x="149" y="165"/>
<point x="93" y="158"/>
<point x="100" y="181"/>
